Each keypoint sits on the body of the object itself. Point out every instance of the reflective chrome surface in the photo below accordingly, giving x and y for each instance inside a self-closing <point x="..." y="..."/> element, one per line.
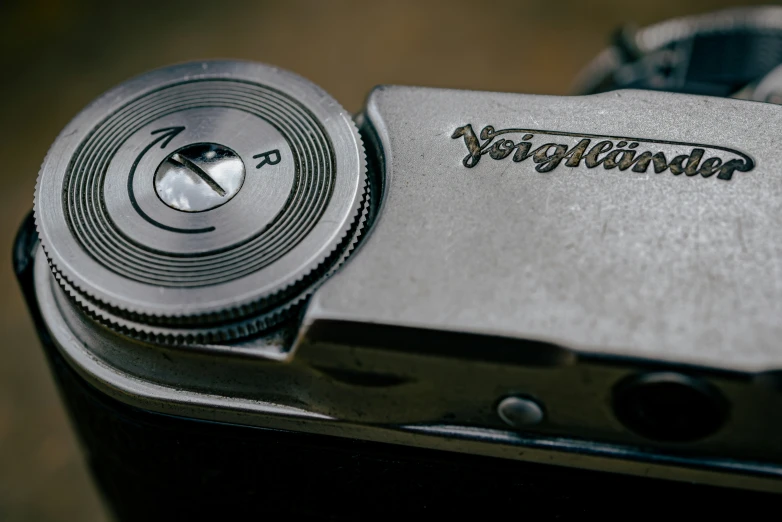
<point x="535" y="247"/>
<point x="199" y="177"/>
<point x="154" y="237"/>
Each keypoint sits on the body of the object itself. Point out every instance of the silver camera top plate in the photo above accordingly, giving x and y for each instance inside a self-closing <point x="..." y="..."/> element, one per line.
<point x="628" y="224"/>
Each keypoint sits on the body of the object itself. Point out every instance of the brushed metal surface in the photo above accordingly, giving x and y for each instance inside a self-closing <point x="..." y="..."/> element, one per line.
<point x="681" y="269"/>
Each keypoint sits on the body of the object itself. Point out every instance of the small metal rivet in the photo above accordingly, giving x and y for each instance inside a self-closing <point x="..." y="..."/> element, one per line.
<point x="520" y="411"/>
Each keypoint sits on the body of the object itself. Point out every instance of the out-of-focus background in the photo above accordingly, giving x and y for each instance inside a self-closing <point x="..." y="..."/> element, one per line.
<point x="57" y="55"/>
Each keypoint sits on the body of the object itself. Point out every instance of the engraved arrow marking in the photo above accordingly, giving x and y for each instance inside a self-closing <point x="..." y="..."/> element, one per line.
<point x="184" y="161"/>
<point x="168" y="134"/>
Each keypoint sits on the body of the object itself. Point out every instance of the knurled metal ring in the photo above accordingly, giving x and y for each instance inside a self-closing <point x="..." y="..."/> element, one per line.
<point x="202" y="200"/>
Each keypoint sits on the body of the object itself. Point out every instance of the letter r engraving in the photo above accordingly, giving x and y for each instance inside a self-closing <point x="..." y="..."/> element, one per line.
<point x="269" y="158"/>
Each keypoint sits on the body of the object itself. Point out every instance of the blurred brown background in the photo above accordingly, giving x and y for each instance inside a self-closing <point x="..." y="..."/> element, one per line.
<point x="56" y="56"/>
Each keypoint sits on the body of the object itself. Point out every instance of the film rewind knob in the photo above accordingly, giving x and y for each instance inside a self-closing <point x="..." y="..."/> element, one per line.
<point x="202" y="202"/>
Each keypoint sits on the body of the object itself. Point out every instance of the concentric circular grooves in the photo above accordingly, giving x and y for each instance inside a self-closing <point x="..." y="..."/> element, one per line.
<point x="241" y="325"/>
<point x="248" y="316"/>
<point x="153" y="267"/>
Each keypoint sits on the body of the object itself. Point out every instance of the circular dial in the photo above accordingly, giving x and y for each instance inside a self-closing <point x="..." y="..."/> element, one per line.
<point x="201" y="201"/>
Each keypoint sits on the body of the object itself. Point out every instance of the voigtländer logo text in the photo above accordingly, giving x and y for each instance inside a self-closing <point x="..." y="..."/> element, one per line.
<point x="594" y="151"/>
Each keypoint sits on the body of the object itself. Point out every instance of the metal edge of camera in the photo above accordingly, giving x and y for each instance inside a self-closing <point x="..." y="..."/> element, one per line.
<point x="354" y="389"/>
<point x="255" y="387"/>
<point x="258" y="382"/>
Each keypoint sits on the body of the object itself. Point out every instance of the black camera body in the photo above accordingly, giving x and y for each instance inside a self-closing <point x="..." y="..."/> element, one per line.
<point x="455" y="304"/>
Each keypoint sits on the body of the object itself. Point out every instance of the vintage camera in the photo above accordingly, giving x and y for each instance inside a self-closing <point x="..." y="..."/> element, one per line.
<point x="454" y="302"/>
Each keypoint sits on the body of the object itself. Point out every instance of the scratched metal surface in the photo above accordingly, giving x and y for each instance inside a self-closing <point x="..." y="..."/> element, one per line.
<point x="681" y="268"/>
<point x="58" y="56"/>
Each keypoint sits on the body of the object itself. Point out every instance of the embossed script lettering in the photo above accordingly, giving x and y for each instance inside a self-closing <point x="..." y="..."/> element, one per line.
<point x="592" y="151"/>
